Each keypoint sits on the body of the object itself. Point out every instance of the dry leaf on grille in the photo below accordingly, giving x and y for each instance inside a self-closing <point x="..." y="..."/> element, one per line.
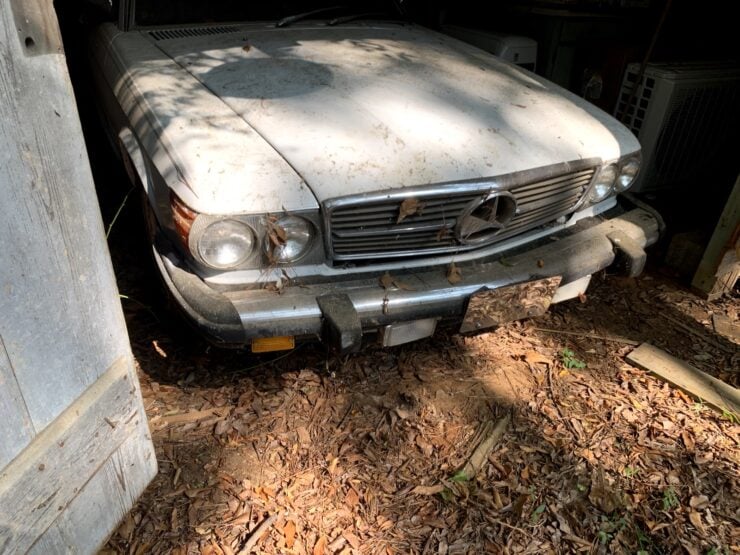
<point x="409" y="207"/>
<point x="454" y="274"/>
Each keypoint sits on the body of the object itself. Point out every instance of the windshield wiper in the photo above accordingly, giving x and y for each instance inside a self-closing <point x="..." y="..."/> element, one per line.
<point x="366" y="15"/>
<point x="284" y="22"/>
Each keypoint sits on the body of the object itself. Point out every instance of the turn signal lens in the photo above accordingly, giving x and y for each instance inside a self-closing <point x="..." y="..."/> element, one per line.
<point x="182" y="217"/>
<point x="269" y="344"/>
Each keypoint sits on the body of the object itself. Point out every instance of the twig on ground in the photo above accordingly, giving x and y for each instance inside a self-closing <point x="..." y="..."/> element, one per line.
<point x="613" y="338"/>
<point x="118" y="212"/>
<point x="556" y="403"/>
<point x="480" y="455"/>
<point x="257" y="534"/>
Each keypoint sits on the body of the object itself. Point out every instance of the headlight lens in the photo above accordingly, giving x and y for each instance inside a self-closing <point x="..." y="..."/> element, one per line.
<point x="627" y="175"/>
<point x="604" y="183"/>
<point x="288" y="238"/>
<point x="226" y="244"/>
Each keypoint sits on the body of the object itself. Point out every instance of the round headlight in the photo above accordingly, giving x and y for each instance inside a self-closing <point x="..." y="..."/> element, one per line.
<point x="604" y="183"/>
<point x="288" y="238"/>
<point x="225" y="244"/>
<point x="627" y="175"/>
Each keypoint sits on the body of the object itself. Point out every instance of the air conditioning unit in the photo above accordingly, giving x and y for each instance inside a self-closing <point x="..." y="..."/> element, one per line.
<point x="687" y="118"/>
<point x="521" y="51"/>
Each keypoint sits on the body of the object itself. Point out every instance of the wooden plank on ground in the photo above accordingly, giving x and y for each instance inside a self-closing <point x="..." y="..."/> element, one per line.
<point x="701" y="385"/>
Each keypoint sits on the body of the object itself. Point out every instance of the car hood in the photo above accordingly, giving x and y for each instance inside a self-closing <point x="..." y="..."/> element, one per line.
<point x="250" y="119"/>
<point x="366" y="108"/>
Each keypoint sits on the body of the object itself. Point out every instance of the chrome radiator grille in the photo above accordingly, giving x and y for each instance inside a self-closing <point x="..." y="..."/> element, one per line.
<point x="367" y="227"/>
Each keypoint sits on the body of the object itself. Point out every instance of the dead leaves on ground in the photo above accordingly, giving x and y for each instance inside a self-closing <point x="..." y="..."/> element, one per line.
<point x="358" y="455"/>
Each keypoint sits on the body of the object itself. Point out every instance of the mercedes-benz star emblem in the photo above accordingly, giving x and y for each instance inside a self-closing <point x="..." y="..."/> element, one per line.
<point x="485" y="217"/>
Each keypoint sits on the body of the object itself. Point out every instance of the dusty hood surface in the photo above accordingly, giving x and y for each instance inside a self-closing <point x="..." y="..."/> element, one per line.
<point x="367" y="107"/>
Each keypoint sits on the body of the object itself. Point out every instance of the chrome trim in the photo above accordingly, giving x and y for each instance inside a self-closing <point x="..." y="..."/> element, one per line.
<point x="430" y="295"/>
<point x="241" y="278"/>
<point x="493" y="223"/>
<point x="472" y="186"/>
<point x="258" y="259"/>
<point x="585" y="200"/>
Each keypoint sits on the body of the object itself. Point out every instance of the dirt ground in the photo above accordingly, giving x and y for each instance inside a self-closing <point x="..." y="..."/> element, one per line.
<point x="307" y="453"/>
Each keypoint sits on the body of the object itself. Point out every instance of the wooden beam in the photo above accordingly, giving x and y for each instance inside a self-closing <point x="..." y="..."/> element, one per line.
<point x="39" y="484"/>
<point x="103" y="501"/>
<point x="693" y="381"/>
<point x="17" y="430"/>
<point x="719" y="268"/>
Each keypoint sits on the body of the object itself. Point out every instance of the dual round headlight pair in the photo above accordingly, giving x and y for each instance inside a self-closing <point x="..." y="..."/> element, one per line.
<point x="228" y="243"/>
<point x="617" y="177"/>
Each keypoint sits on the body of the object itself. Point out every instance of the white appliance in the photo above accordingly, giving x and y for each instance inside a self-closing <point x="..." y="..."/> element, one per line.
<point x="512" y="48"/>
<point x="686" y="116"/>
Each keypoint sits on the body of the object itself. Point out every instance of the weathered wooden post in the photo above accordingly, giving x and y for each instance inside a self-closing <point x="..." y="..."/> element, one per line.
<point x="75" y="450"/>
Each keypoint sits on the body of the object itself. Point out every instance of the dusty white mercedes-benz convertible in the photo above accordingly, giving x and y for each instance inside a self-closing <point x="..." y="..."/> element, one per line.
<point x="338" y="174"/>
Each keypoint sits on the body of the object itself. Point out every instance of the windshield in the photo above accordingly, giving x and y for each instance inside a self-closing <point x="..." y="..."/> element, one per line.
<point x="177" y="12"/>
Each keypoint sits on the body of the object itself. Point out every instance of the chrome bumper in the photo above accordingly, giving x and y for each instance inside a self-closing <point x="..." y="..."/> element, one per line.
<point x="338" y="311"/>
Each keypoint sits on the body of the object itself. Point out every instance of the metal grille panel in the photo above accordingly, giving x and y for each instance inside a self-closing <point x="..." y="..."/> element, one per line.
<point x="165" y="34"/>
<point x="366" y="229"/>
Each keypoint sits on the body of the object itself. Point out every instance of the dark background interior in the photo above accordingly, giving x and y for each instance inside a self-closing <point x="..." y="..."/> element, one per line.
<point x="576" y="39"/>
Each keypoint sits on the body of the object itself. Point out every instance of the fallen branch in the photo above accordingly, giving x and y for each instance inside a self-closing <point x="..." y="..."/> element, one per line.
<point x="480" y="455"/>
<point x="257" y="534"/>
<point x="613" y="338"/>
<point x="187" y="417"/>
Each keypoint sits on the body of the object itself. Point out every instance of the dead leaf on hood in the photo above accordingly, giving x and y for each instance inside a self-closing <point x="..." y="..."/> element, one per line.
<point x="409" y="207"/>
<point x="454" y="274"/>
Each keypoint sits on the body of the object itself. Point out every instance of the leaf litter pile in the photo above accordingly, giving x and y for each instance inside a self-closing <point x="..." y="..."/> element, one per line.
<point x="537" y="437"/>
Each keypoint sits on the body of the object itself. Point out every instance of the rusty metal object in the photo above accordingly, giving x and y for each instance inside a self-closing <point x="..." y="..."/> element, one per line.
<point x="490" y="308"/>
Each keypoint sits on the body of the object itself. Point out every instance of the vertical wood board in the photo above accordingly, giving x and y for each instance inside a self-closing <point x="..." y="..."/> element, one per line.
<point x="720" y="266"/>
<point x="60" y="318"/>
<point x="16" y="430"/>
<point x="104" y="501"/>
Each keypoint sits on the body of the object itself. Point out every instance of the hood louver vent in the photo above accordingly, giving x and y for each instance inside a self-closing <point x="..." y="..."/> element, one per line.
<point x="165" y="34"/>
